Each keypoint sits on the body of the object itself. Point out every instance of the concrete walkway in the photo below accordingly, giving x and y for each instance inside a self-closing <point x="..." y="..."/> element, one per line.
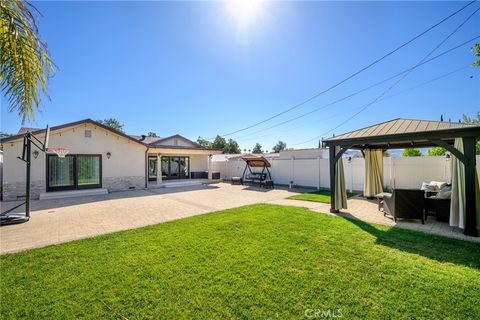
<point x="62" y="220"/>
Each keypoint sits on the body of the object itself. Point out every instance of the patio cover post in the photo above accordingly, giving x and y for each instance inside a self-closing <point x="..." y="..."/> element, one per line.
<point x="470" y="187"/>
<point x="159" y="168"/>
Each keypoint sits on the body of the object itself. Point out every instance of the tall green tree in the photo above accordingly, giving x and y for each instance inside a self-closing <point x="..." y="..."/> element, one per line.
<point x="436" y="151"/>
<point x="219" y="142"/>
<point x="412" y="152"/>
<point x="257" y="148"/>
<point x="204" y="143"/>
<point x="232" y="147"/>
<point x="112" y="123"/>
<point x="474" y="120"/>
<point x="476" y="53"/>
<point x="25" y="64"/>
<point x="280" y="146"/>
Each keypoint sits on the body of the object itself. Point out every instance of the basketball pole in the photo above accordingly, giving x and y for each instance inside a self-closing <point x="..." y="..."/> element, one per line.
<point x="27" y="184"/>
<point x="6" y="217"/>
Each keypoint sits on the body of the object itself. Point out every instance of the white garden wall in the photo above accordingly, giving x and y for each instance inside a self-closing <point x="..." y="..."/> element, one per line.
<point x="400" y="172"/>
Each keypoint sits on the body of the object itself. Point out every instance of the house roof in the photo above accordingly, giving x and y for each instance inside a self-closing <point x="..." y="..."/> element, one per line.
<point x="158" y="143"/>
<point x="66" y="125"/>
<point x="145" y="139"/>
<point x="153" y="142"/>
<point x="24" y="130"/>
<point x="405" y="131"/>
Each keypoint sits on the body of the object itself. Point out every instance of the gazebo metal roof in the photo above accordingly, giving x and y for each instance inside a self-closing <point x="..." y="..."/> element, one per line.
<point x="404" y="133"/>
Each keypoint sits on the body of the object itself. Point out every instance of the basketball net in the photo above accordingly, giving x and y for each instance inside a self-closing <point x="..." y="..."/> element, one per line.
<point x="59" y="151"/>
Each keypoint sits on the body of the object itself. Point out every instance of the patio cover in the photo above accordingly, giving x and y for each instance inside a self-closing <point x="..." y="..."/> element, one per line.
<point x="256" y="161"/>
<point x="407" y="133"/>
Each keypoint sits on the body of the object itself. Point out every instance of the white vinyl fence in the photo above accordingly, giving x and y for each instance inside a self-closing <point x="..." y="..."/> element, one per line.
<point x="400" y="172"/>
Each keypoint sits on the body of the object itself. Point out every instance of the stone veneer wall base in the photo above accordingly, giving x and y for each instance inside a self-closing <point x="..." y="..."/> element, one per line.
<point x="124" y="183"/>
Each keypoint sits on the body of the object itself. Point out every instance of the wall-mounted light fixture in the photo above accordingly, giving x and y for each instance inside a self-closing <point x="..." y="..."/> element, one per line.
<point x="349" y="159"/>
<point x="109" y="154"/>
<point x="447" y="156"/>
<point x="35" y="154"/>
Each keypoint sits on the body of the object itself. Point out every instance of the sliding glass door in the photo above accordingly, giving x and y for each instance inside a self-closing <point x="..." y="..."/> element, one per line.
<point x="74" y="172"/>
<point x="88" y="171"/>
<point x="175" y="167"/>
<point x="60" y="172"/>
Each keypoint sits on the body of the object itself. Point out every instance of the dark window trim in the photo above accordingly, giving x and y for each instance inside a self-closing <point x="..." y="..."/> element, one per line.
<point x="148" y="171"/>
<point x="75" y="185"/>
<point x="175" y="178"/>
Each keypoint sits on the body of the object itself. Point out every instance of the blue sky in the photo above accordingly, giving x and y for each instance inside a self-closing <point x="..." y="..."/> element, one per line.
<point x="187" y="68"/>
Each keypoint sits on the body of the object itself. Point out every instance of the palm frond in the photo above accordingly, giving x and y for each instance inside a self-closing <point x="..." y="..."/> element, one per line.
<point x="25" y="64"/>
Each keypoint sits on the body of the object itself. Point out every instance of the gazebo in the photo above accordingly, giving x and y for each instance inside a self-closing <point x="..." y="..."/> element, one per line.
<point x="457" y="138"/>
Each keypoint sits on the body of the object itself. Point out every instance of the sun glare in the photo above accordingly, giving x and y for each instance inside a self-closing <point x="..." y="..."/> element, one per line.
<point x="245" y="12"/>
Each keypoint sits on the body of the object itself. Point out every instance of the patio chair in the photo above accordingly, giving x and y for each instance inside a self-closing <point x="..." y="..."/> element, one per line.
<point x="405" y="204"/>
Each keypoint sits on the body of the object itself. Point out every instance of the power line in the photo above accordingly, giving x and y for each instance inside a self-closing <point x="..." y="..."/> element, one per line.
<point x="384" y="98"/>
<point x="352" y="75"/>
<point x="362" y="90"/>
<point x="397" y="82"/>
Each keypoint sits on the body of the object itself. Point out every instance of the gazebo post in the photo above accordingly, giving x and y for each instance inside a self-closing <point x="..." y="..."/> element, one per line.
<point x="332" y="159"/>
<point x="470" y="199"/>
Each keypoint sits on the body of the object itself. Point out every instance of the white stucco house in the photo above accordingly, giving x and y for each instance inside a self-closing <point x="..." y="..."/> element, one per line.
<point x="101" y="158"/>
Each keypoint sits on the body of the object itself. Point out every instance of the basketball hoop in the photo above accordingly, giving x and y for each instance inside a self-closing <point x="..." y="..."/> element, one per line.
<point x="59" y="151"/>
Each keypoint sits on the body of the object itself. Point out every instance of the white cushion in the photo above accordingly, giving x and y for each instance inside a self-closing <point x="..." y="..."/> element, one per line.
<point x="425" y="186"/>
<point x="437" y="185"/>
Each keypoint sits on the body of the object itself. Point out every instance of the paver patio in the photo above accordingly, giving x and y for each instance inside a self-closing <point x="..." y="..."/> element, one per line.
<point x="62" y="220"/>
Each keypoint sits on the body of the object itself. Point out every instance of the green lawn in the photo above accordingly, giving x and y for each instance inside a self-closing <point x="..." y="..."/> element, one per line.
<point x="317" y="196"/>
<point x="254" y="262"/>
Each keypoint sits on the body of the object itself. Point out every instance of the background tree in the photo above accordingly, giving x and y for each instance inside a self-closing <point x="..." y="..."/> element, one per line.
<point x="204" y="143"/>
<point x="219" y="143"/>
<point x="112" y="123"/>
<point x="5" y="135"/>
<point x="476" y="53"/>
<point x="257" y="148"/>
<point x="280" y="146"/>
<point x="412" y="152"/>
<point x="232" y="147"/>
<point x="25" y="63"/>
<point x="474" y="120"/>
<point x="152" y="134"/>
<point x="436" y="151"/>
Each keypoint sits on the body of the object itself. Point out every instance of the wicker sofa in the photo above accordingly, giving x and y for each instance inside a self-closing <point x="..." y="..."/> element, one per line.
<point x="405" y="204"/>
<point x="440" y="208"/>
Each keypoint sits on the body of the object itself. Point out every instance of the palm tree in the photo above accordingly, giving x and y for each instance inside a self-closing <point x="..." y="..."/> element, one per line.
<point x="25" y="64"/>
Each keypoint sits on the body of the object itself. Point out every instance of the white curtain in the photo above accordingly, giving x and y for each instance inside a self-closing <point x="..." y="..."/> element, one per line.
<point x="457" y="205"/>
<point x="373" y="172"/>
<point x="340" y="190"/>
